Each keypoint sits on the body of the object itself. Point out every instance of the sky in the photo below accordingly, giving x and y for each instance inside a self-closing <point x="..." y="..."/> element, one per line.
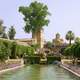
<point x="65" y="16"/>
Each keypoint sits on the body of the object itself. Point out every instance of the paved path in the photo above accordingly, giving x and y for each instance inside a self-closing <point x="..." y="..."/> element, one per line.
<point x="74" y="69"/>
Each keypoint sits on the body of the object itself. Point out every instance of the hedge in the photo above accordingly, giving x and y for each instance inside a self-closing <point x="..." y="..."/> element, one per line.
<point x="32" y="59"/>
<point x="13" y="50"/>
<point x="51" y="59"/>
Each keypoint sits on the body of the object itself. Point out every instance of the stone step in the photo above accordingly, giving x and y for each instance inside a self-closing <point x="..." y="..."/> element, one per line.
<point x="43" y="61"/>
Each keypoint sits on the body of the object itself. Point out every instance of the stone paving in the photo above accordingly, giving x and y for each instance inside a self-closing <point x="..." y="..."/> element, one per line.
<point x="74" y="68"/>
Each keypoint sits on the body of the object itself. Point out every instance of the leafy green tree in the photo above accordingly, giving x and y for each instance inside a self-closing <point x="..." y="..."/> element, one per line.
<point x="5" y="36"/>
<point x="62" y="51"/>
<point x="70" y="36"/>
<point x="77" y="50"/>
<point x="77" y="40"/>
<point x="11" y="32"/>
<point x="13" y="50"/>
<point x="2" y="30"/>
<point x="49" y="45"/>
<point x="1" y="27"/>
<point x="67" y="51"/>
<point x="3" y="52"/>
<point x="35" y="17"/>
<point x="73" y="51"/>
<point x="35" y="46"/>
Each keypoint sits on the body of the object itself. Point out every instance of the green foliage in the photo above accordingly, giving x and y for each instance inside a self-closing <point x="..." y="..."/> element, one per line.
<point x="67" y="51"/>
<point x="13" y="50"/>
<point x="2" y="30"/>
<point x="35" y="16"/>
<point x="35" y="46"/>
<point x="1" y="27"/>
<point x="11" y="32"/>
<point x="70" y="36"/>
<point x="4" y="50"/>
<point x="77" y="40"/>
<point x="49" y="45"/>
<point x="24" y="50"/>
<point x="4" y="36"/>
<point x="77" y="50"/>
<point x="73" y="50"/>
<point x="62" y="50"/>
<point x="51" y="59"/>
<point x="32" y="59"/>
<point x="30" y="51"/>
<point x="3" y="53"/>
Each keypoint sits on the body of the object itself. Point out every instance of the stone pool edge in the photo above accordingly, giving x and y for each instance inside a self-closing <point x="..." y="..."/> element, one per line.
<point x="5" y="70"/>
<point x="69" y="70"/>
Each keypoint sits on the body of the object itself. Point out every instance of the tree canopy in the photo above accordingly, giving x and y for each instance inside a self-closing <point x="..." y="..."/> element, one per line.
<point x="73" y="51"/>
<point x="70" y="36"/>
<point x="49" y="44"/>
<point x="1" y="27"/>
<point x="77" y="40"/>
<point x="11" y="32"/>
<point x="35" y="16"/>
<point x="2" y="30"/>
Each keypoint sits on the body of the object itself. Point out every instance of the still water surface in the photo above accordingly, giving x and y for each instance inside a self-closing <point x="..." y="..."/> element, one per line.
<point x="39" y="72"/>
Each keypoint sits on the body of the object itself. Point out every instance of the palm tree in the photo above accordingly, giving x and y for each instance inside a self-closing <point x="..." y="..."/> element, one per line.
<point x="35" y="17"/>
<point x="70" y="36"/>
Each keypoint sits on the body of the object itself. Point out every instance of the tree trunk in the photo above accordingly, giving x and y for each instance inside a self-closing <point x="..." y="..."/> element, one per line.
<point x="34" y="37"/>
<point x="70" y="41"/>
<point x="38" y="37"/>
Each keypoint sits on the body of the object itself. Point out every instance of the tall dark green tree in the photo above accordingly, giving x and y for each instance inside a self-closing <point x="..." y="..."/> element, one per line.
<point x="13" y="50"/>
<point x="11" y="32"/>
<point x="1" y="27"/>
<point x="70" y="36"/>
<point x="2" y="30"/>
<point x="3" y="52"/>
<point x="35" y="17"/>
<point x="73" y="51"/>
<point x="4" y="36"/>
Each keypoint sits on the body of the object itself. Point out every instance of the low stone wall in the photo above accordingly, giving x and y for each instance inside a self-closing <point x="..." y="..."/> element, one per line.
<point x="9" y="69"/>
<point x="11" y="63"/>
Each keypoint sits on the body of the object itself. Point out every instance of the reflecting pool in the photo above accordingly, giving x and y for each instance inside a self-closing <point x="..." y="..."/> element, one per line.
<point x="39" y="72"/>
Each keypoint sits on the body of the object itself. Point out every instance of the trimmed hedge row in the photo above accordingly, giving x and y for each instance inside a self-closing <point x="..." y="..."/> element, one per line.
<point x="32" y="60"/>
<point x="35" y="59"/>
<point x="13" y="50"/>
<point x="51" y="59"/>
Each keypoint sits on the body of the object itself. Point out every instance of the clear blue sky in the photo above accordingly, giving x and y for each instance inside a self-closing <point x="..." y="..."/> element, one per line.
<point x="65" y="16"/>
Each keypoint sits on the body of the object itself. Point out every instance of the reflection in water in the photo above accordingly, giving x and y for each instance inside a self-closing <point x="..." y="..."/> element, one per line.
<point x="39" y="72"/>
